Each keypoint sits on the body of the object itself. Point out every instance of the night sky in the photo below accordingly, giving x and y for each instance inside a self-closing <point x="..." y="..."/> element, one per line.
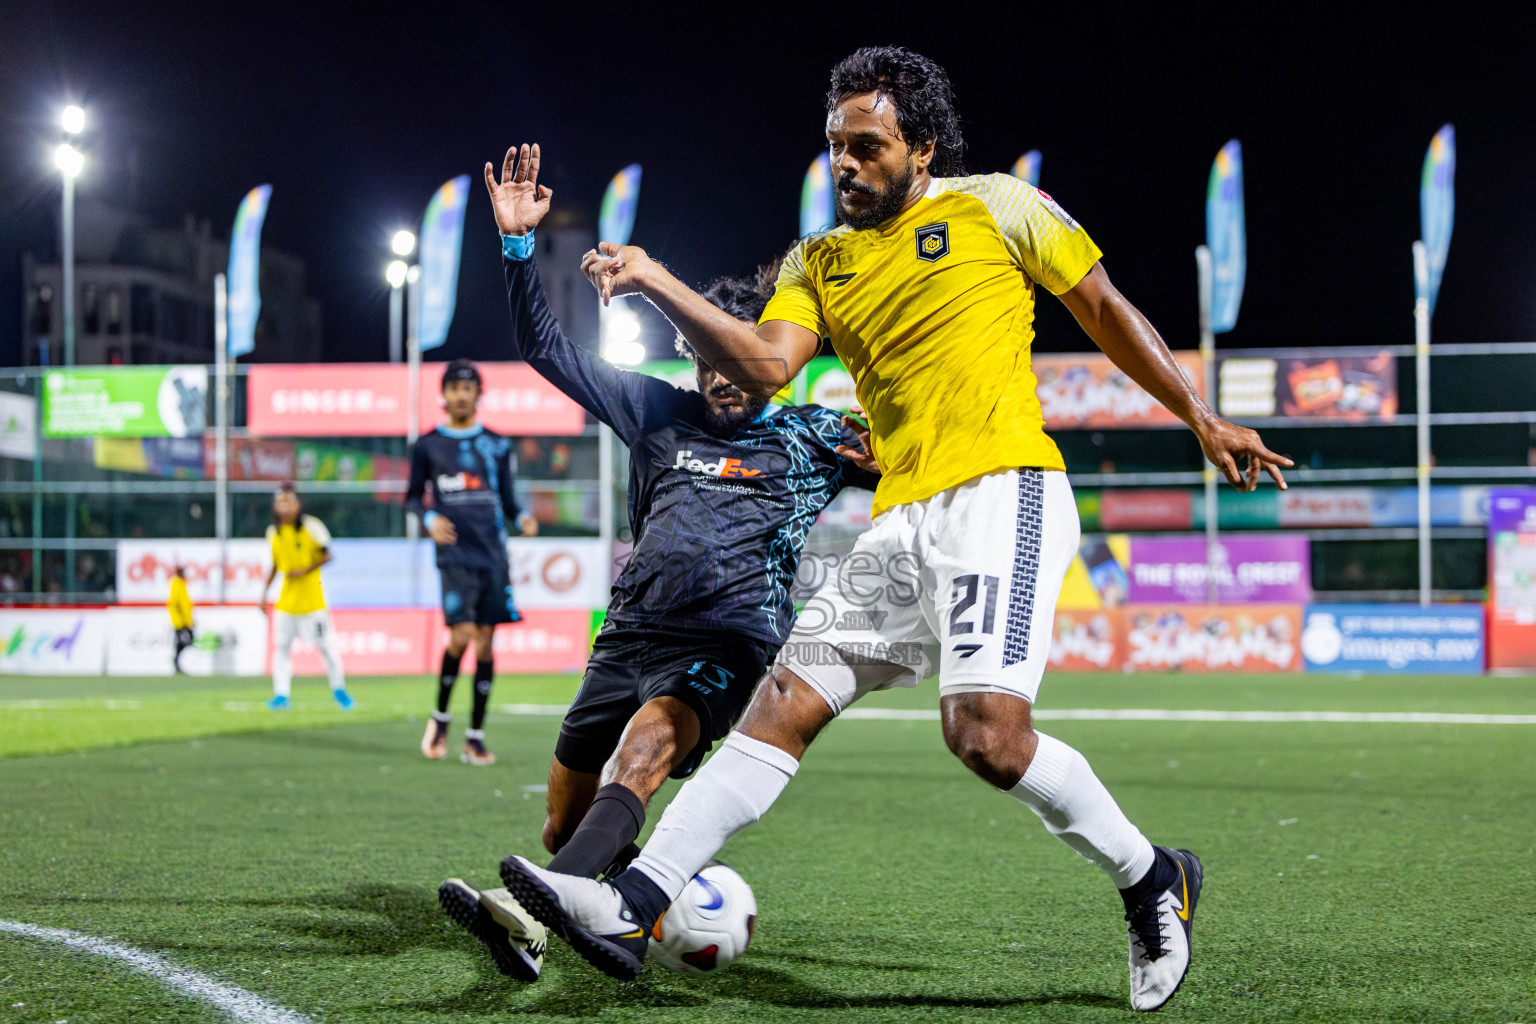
<point x="355" y="118"/>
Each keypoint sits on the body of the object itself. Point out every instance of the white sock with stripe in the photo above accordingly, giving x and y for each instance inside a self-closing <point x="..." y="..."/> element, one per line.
<point x="1061" y="788"/>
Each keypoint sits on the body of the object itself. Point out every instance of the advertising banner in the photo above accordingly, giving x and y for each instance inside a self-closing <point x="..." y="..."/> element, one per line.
<point x="125" y="401"/>
<point x="1097" y="576"/>
<point x="1121" y="509"/>
<point x="311" y="400"/>
<point x="227" y="641"/>
<point x="1512" y="578"/>
<point x="616" y="219"/>
<point x="828" y="383"/>
<point x="1269" y="568"/>
<point x="245" y="270"/>
<point x="375" y="643"/>
<point x="514" y="399"/>
<point x="18" y="425"/>
<point x="250" y="459"/>
<point x="545" y="641"/>
<point x="386" y="573"/>
<point x="1089" y="391"/>
<point x="1087" y="641"/>
<point x="144" y="570"/>
<point x="1437" y="210"/>
<point x="1027" y="167"/>
<point x="1394" y="639"/>
<point x="442" y="240"/>
<point x="1255" y="638"/>
<point x="173" y="458"/>
<point x="1357" y="389"/>
<point x="36" y="642"/>
<point x="1226" y="236"/>
<point x="816" y="213"/>
<point x="559" y="572"/>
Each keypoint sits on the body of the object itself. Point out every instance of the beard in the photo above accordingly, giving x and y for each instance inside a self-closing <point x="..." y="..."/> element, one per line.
<point x="727" y="421"/>
<point x="888" y="200"/>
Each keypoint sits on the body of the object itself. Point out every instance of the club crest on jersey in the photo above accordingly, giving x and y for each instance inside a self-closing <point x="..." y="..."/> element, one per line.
<point x="731" y="468"/>
<point x="933" y="242"/>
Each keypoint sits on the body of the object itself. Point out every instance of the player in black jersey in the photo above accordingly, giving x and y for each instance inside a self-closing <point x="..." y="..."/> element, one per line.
<point x="469" y="469"/>
<point x="723" y="488"/>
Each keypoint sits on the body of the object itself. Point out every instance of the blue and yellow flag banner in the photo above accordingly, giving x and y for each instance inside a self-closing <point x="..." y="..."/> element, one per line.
<point x="616" y="222"/>
<point x="1437" y="210"/>
<point x="816" y="214"/>
<point x="1227" y="236"/>
<point x="245" y="269"/>
<point x="1027" y="167"/>
<point x="442" y="239"/>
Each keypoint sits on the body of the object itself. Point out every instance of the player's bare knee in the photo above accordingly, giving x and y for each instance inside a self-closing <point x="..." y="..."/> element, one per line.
<point x="785" y="712"/>
<point x="991" y="734"/>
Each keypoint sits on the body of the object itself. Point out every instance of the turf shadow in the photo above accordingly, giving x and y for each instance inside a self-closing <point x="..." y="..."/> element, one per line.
<point x="758" y="984"/>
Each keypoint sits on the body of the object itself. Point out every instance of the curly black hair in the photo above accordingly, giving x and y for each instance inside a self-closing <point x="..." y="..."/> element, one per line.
<point x="925" y="101"/>
<point x="742" y="297"/>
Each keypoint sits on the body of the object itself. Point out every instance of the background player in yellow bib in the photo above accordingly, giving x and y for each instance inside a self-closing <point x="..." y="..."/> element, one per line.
<point x="926" y="291"/>
<point x="179" y="604"/>
<point x="300" y="546"/>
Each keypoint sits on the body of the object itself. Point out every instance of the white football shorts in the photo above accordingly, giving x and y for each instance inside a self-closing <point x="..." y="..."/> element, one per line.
<point x="314" y="628"/>
<point x="963" y="584"/>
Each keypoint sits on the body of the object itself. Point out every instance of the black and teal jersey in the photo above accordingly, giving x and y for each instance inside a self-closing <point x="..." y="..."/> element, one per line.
<point x="470" y="475"/>
<point x="719" y="521"/>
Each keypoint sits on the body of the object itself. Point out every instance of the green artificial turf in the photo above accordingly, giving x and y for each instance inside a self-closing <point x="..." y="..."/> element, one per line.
<point x="1355" y="872"/>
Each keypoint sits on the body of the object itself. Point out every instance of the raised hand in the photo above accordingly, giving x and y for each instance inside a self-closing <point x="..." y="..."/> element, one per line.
<point x="616" y="269"/>
<point x="519" y="202"/>
<point x="1226" y="443"/>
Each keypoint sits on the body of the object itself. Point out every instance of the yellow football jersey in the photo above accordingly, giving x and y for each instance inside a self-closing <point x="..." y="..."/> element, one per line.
<point x="299" y="547"/>
<point x="179" y="604"/>
<point x="933" y="314"/>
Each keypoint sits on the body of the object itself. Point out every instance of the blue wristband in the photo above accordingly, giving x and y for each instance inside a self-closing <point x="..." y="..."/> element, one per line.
<point x="428" y="519"/>
<point x="517" y="247"/>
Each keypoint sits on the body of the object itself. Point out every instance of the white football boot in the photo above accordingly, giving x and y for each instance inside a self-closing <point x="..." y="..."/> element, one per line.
<point x="515" y="940"/>
<point x="592" y="916"/>
<point x="1159" y="929"/>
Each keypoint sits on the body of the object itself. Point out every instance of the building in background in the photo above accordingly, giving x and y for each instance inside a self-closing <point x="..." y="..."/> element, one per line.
<point x="144" y="295"/>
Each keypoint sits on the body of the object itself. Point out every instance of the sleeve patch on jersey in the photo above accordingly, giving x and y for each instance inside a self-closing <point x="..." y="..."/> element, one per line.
<point x="1057" y="211"/>
<point x="933" y="242"/>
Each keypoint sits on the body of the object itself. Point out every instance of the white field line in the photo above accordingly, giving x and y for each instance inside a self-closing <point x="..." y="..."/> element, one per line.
<point x="927" y="714"/>
<point x="237" y="1002"/>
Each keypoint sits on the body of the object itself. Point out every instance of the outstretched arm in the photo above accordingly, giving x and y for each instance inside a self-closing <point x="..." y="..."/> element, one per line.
<point x="759" y="361"/>
<point x="1133" y="344"/>
<point x="617" y="397"/>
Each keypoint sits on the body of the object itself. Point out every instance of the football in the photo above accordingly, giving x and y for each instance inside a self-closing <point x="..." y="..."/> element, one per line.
<point x="708" y="926"/>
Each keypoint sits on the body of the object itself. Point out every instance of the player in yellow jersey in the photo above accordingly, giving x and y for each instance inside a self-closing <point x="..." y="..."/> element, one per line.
<point x="179" y="604"/>
<point x="300" y="546"/>
<point x="926" y="291"/>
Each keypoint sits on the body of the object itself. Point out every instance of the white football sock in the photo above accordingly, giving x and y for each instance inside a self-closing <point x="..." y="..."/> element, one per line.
<point x="334" y="673"/>
<point x="282" y="671"/>
<point x="731" y="791"/>
<point x="1061" y="788"/>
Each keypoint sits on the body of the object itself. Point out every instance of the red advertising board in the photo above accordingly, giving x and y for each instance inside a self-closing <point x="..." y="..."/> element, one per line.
<point x="547" y="640"/>
<point x="1090" y="391"/>
<point x="516" y="400"/>
<point x="374" y="642"/>
<point x="310" y="400"/>
<point x="371" y="400"/>
<point x="250" y="459"/>
<point x="1123" y="509"/>
<point x="1184" y="638"/>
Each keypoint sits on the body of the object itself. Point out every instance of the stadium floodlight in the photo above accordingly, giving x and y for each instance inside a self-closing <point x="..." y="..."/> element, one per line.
<point x="69" y="160"/>
<point x="395" y="273"/>
<point x="72" y="120"/>
<point x="414" y="274"/>
<point x="404" y="242"/>
<point x="621" y="338"/>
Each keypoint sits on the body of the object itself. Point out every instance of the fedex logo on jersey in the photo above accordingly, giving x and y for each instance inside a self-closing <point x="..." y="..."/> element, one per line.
<point x="730" y="468"/>
<point x="460" y="481"/>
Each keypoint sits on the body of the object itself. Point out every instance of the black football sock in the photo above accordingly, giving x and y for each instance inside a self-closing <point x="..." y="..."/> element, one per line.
<point x="644" y="897"/>
<point x="485" y="671"/>
<point x="612" y="823"/>
<point x="445" y="680"/>
<point x="621" y="861"/>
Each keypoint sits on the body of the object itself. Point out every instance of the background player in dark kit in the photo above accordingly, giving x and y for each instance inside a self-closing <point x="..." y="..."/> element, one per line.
<point x="469" y="468"/>
<point x="723" y="488"/>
